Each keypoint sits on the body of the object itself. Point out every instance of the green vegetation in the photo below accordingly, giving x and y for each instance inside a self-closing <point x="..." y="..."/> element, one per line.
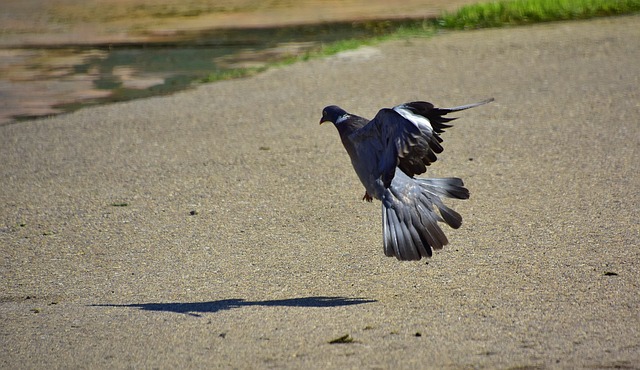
<point x="483" y="15"/>
<point x="517" y="12"/>
<point x="496" y="14"/>
<point x="228" y="74"/>
<point x="342" y="45"/>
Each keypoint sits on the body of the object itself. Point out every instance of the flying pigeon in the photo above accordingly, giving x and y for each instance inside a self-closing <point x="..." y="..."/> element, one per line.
<point x="386" y="153"/>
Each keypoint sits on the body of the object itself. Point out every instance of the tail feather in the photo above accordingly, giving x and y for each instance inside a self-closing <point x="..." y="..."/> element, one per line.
<point x="410" y="252"/>
<point x="451" y="217"/>
<point x="411" y="212"/>
<point x="391" y="242"/>
<point x="419" y="241"/>
<point x="449" y="187"/>
<point x="402" y="239"/>
<point x="429" y="225"/>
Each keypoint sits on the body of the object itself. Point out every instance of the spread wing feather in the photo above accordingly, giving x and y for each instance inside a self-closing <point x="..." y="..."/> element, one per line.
<point x="406" y="136"/>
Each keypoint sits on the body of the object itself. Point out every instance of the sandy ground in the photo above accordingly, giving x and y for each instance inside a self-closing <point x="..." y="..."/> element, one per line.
<point x="223" y="228"/>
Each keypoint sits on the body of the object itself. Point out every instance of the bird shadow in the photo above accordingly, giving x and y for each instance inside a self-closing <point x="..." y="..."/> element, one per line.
<point x="198" y="308"/>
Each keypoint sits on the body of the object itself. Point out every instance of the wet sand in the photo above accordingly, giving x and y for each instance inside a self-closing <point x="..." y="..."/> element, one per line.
<point x="76" y="22"/>
<point x="49" y="49"/>
<point x="223" y="228"/>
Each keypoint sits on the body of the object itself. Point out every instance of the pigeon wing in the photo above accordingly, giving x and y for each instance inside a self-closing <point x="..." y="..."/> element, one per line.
<point x="407" y="136"/>
<point x="420" y="140"/>
<point x="398" y="137"/>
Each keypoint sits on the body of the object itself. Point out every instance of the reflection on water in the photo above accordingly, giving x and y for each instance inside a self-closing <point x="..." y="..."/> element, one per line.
<point x="40" y="82"/>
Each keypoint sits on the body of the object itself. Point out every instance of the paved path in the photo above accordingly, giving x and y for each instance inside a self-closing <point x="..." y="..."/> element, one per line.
<point x="280" y="256"/>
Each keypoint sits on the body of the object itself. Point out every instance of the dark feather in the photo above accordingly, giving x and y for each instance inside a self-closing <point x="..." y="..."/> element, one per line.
<point x="386" y="153"/>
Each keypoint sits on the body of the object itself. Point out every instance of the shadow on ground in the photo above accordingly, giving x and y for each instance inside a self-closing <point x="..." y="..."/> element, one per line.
<point x="197" y="308"/>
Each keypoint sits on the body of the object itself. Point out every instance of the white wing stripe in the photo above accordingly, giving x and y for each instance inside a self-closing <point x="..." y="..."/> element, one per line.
<point x="421" y="122"/>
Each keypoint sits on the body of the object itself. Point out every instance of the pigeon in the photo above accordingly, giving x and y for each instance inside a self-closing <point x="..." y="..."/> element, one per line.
<point x="386" y="153"/>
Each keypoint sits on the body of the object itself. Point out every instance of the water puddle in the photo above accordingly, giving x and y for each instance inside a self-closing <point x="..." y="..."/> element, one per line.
<point x="38" y="82"/>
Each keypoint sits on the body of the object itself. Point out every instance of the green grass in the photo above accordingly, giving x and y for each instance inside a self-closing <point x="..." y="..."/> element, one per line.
<point x="517" y="12"/>
<point x="228" y="74"/>
<point x="482" y="15"/>
<point x="322" y="50"/>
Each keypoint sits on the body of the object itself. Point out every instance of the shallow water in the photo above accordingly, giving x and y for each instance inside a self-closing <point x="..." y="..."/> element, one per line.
<point x="38" y="82"/>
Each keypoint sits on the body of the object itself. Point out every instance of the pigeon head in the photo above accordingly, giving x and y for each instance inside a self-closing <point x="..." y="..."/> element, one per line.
<point x="332" y="114"/>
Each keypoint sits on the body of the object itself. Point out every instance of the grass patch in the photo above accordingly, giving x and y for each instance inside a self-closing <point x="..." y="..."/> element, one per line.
<point x="322" y="50"/>
<point x="339" y="46"/>
<point x="228" y="74"/>
<point x="493" y="14"/>
<point x="517" y="12"/>
<point x="483" y="15"/>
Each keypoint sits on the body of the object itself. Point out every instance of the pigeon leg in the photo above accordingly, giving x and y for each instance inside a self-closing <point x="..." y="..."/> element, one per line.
<point x="367" y="197"/>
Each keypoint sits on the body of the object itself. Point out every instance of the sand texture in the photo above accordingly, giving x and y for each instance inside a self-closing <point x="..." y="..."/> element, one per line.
<point x="222" y="227"/>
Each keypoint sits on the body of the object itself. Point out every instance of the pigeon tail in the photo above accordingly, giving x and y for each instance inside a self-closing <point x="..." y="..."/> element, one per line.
<point x="411" y="211"/>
